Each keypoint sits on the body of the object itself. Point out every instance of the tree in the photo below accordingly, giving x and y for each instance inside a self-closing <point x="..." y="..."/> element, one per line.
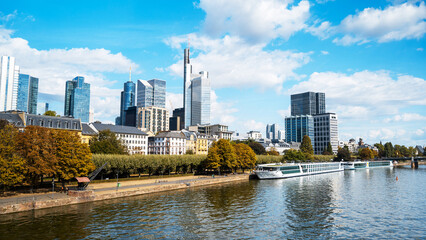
<point x="405" y="151"/>
<point x="246" y="158"/>
<point x="294" y="155"/>
<point x="36" y="146"/>
<point x="73" y="156"/>
<point x="228" y="159"/>
<point x="106" y="142"/>
<point x="213" y="159"/>
<point x="273" y="151"/>
<point x="306" y="145"/>
<point x="389" y="150"/>
<point x="257" y="148"/>
<point x="50" y="113"/>
<point x="3" y="123"/>
<point x="366" y="153"/>
<point x="343" y="154"/>
<point x="381" y="149"/>
<point x="189" y="152"/>
<point x="11" y="164"/>
<point x="328" y="150"/>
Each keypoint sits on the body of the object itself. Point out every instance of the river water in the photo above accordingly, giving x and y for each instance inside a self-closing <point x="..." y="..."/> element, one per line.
<point x="361" y="204"/>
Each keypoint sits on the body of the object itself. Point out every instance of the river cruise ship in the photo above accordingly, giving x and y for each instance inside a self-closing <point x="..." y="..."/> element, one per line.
<point x="366" y="164"/>
<point x="280" y="170"/>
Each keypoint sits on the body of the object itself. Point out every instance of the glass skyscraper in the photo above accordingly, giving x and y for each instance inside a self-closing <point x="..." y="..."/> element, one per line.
<point x="308" y="103"/>
<point x="27" y="94"/>
<point x="296" y="127"/>
<point x="77" y="99"/>
<point x="128" y="96"/>
<point x="196" y="95"/>
<point x="152" y="93"/>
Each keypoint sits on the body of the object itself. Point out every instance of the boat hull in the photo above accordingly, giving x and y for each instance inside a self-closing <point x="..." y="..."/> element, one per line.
<point x="277" y="175"/>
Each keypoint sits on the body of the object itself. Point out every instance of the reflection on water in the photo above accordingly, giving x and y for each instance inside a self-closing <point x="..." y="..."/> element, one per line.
<point x="352" y="204"/>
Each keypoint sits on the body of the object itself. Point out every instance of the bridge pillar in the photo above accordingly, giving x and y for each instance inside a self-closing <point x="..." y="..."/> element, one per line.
<point x="414" y="163"/>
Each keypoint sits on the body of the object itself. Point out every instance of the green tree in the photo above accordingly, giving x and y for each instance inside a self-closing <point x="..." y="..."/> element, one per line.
<point x="3" y="123"/>
<point x="36" y="146"/>
<point x="73" y="156"/>
<point x="343" y="154"/>
<point x="189" y="152"/>
<point x="213" y="159"/>
<point x="328" y="150"/>
<point x="389" y="150"/>
<point x="306" y="146"/>
<point x="50" y="113"/>
<point x="405" y="151"/>
<point x="381" y="149"/>
<point x="228" y="159"/>
<point x="246" y="158"/>
<point x="11" y="164"/>
<point x="257" y="148"/>
<point x="294" y="155"/>
<point x="366" y="153"/>
<point x="106" y="142"/>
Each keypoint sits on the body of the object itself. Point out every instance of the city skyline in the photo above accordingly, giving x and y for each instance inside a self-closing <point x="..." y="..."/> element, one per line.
<point x="373" y="74"/>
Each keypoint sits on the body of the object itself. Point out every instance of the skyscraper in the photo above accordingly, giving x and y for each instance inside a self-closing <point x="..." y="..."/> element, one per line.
<point x="308" y="103"/>
<point x="77" y="99"/>
<point x="152" y="93"/>
<point x="272" y="131"/>
<point x="9" y="78"/>
<point x="27" y="94"/>
<point x="127" y="99"/>
<point x="196" y="95"/>
<point x="296" y="127"/>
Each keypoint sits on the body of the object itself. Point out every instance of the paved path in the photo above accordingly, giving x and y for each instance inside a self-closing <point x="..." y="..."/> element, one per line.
<point x="102" y="187"/>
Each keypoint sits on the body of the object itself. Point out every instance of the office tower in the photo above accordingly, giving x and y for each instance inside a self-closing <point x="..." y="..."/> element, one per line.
<point x="127" y="100"/>
<point x="27" y="94"/>
<point x="272" y="131"/>
<point x="296" y="127"/>
<point x="152" y="93"/>
<point x="46" y="107"/>
<point x="154" y="119"/>
<point x="196" y="95"/>
<point x="77" y="99"/>
<point x="130" y="117"/>
<point x="177" y="121"/>
<point x="325" y="131"/>
<point x="308" y="103"/>
<point x="9" y="79"/>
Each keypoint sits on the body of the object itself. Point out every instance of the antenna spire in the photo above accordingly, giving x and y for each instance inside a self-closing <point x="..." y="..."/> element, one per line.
<point x="130" y="74"/>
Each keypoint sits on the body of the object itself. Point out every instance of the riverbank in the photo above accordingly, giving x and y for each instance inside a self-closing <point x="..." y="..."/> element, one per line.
<point x="104" y="191"/>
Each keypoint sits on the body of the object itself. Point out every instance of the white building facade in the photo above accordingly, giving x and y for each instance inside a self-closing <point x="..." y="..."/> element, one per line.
<point x="9" y="78"/>
<point x="325" y="131"/>
<point x="167" y="143"/>
<point x="153" y="119"/>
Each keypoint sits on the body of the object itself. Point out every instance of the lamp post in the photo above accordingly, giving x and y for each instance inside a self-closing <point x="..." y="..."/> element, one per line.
<point x="53" y="186"/>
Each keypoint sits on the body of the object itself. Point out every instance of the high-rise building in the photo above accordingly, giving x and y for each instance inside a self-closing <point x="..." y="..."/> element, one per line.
<point x="296" y="127"/>
<point x="152" y="93"/>
<point x="127" y="100"/>
<point x="27" y="94"/>
<point x="176" y="122"/>
<point x="46" y="107"/>
<point x="77" y="99"/>
<point x="272" y="131"/>
<point x="196" y="95"/>
<point x="154" y="119"/>
<point x="9" y="79"/>
<point x="308" y="103"/>
<point x="325" y="131"/>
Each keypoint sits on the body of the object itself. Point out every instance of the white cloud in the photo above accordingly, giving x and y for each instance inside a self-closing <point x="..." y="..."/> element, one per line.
<point x="324" y="53"/>
<point x="232" y="62"/>
<point x="222" y="112"/>
<point x="406" y="117"/>
<point x="253" y="20"/>
<point x="365" y="94"/>
<point x="55" y="66"/>
<point x="322" y="30"/>
<point x="419" y="132"/>
<point x="252" y="125"/>
<point x="8" y="17"/>
<point x="387" y="134"/>
<point x="173" y="101"/>
<point x="405" y="21"/>
<point x="419" y="49"/>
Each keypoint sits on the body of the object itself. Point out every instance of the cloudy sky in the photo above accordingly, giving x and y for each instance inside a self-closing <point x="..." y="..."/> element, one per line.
<point x="369" y="57"/>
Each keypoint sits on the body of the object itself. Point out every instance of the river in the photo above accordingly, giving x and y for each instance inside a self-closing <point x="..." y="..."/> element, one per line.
<point x="364" y="204"/>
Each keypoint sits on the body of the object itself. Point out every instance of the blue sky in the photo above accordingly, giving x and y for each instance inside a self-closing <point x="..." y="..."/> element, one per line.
<point x="367" y="56"/>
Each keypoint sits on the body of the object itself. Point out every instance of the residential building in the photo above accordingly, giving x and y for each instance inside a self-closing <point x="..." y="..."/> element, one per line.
<point x="27" y="94"/>
<point x="134" y="139"/>
<point x="191" y="141"/>
<point x="128" y="96"/>
<point x="254" y="135"/>
<point x="202" y="144"/>
<point x="308" y="103"/>
<point x="22" y="119"/>
<point x="325" y="132"/>
<point x="9" y="80"/>
<point x="296" y="127"/>
<point x="87" y="133"/>
<point x="168" y="143"/>
<point x="196" y="95"/>
<point x="152" y="93"/>
<point x="153" y="119"/>
<point x="77" y="99"/>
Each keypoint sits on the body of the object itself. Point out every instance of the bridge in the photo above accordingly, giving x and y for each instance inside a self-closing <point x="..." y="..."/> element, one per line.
<point x="414" y="160"/>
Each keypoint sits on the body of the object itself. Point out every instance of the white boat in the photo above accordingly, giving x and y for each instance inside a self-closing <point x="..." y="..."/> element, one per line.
<point x="280" y="170"/>
<point x="366" y="164"/>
